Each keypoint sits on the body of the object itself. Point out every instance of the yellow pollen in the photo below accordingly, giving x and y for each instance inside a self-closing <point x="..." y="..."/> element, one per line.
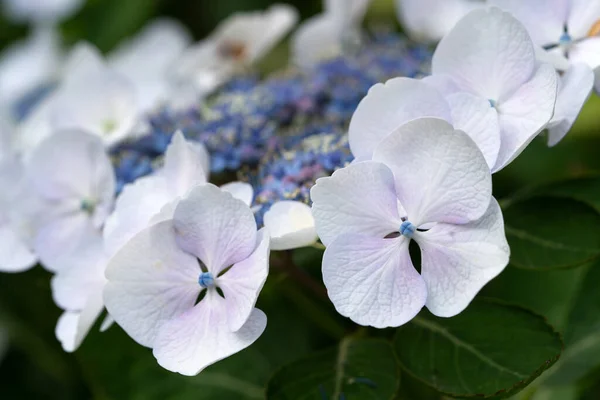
<point x="595" y="29"/>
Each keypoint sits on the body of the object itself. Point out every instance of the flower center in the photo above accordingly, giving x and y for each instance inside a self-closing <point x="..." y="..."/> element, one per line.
<point x="206" y="280"/>
<point x="595" y="29"/>
<point x="88" y="206"/>
<point x="492" y="103"/>
<point x="565" y="39"/>
<point x="108" y="126"/>
<point x="235" y="50"/>
<point x="407" y="229"/>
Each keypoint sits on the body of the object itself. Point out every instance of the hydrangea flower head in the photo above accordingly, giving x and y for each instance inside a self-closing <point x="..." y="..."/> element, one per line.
<point x="426" y="182"/>
<point x="155" y="282"/>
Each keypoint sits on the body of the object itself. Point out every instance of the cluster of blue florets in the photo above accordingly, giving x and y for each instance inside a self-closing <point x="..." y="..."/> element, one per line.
<point x="282" y="133"/>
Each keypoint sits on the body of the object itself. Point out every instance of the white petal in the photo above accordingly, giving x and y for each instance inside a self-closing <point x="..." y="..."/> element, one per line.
<point x="439" y="172"/>
<point x="186" y="165"/>
<point x="43" y="12"/>
<point x="360" y="198"/>
<point x="458" y="260"/>
<point x="587" y="51"/>
<point x="15" y="255"/>
<point x="317" y="39"/>
<point x="488" y="52"/>
<point x="291" y="225"/>
<point x="575" y="87"/>
<point x="83" y="61"/>
<point x="388" y="106"/>
<point x="215" y="227"/>
<point x="583" y="15"/>
<point x="200" y="337"/>
<point x="107" y="323"/>
<point x="474" y="116"/>
<point x="71" y="286"/>
<point x="74" y="165"/>
<point x="431" y="20"/>
<point x="73" y="326"/>
<point x="150" y="280"/>
<point x="137" y="204"/>
<point x="243" y="282"/>
<point x="526" y="113"/>
<point x="240" y="190"/>
<point x="544" y="19"/>
<point x="62" y="243"/>
<point x="372" y="280"/>
<point x="554" y="56"/>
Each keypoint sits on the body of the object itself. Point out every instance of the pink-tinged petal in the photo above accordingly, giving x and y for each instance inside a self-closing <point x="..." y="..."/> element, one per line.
<point x="240" y="190"/>
<point x="72" y="164"/>
<point x="387" y="107"/>
<point x="186" y="165"/>
<point x="587" y="52"/>
<point x="215" y="227"/>
<point x="458" y="260"/>
<point x="71" y="287"/>
<point x="62" y="242"/>
<point x="582" y="17"/>
<point x="135" y="207"/>
<point x="150" y="280"/>
<point x="291" y="225"/>
<point x="73" y="326"/>
<point x="488" y="52"/>
<point x="372" y="280"/>
<point x="440" y="173"/>
<point x="431" y="20"/>
<point x="15" y="254"/>
<point x="574" y="89"/>
<point x="474" y="116"/>
<point x="544" y="19"/>
<point x="243" y="282"/>
<point x="360" y="198"/>
<point x="201" y="336"/>
<point x="525" y="114"/>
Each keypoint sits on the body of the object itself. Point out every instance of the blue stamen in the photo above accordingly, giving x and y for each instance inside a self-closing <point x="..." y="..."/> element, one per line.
<point x="206" y="280"/>
<point x="407" y="229"/>
<point x="87" y="206"/>
<point x="492" y="103"/>
<point x="565" y="39"/>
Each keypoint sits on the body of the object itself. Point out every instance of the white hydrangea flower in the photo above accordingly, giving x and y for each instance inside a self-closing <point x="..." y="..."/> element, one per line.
<point x="146" y="58"/>
<point x="325" y="35"/>
<point x="71" y="183"/>
<point x="28" y="64"/>
<point x="290" y="224"/>
<point x="431" y="20"/>
<point x="41" y="11"/>
<point x="153" y="198"/>
<point x="155" y="282"/>
<point x="490" y="56"/>
<point x="567" y="31"/>
<point x="426" y="182"/>
<point x="388" y="106"/>
<point x="90" y="97"/>
<point x="239" y="41"/>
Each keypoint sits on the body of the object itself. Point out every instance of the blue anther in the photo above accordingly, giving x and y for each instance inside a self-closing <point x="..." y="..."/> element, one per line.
<point x="492" y="103"/>
<point x="206" y="280"/>
<point x="565" y="39"/>
<point x="407" y="229"/>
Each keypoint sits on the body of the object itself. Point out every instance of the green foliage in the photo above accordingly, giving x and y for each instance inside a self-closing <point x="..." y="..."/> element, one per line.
<point x="355" y="369"/>
<point x="490" y="350"/>
<point x="551" y="232"/>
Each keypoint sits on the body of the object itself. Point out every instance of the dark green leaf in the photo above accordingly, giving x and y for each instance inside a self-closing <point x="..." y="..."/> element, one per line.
<point x="582" y="338"/>
<point x="585" y="189"/>
<point x="490" y="350"/>
<point x="356" y="369"/>
<point x="550" y="232"/>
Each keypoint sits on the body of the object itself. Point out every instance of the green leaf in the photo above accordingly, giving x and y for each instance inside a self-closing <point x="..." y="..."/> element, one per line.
<point x="356" y="369"/>
<point x="491" y="350"/>
<point x="582" y="341"/>
<point x="550" y="232"/>
<point x="585" y="189"/>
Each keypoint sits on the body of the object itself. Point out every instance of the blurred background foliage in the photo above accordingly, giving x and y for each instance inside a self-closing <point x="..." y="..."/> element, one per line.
<point x="112" y="366"/>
